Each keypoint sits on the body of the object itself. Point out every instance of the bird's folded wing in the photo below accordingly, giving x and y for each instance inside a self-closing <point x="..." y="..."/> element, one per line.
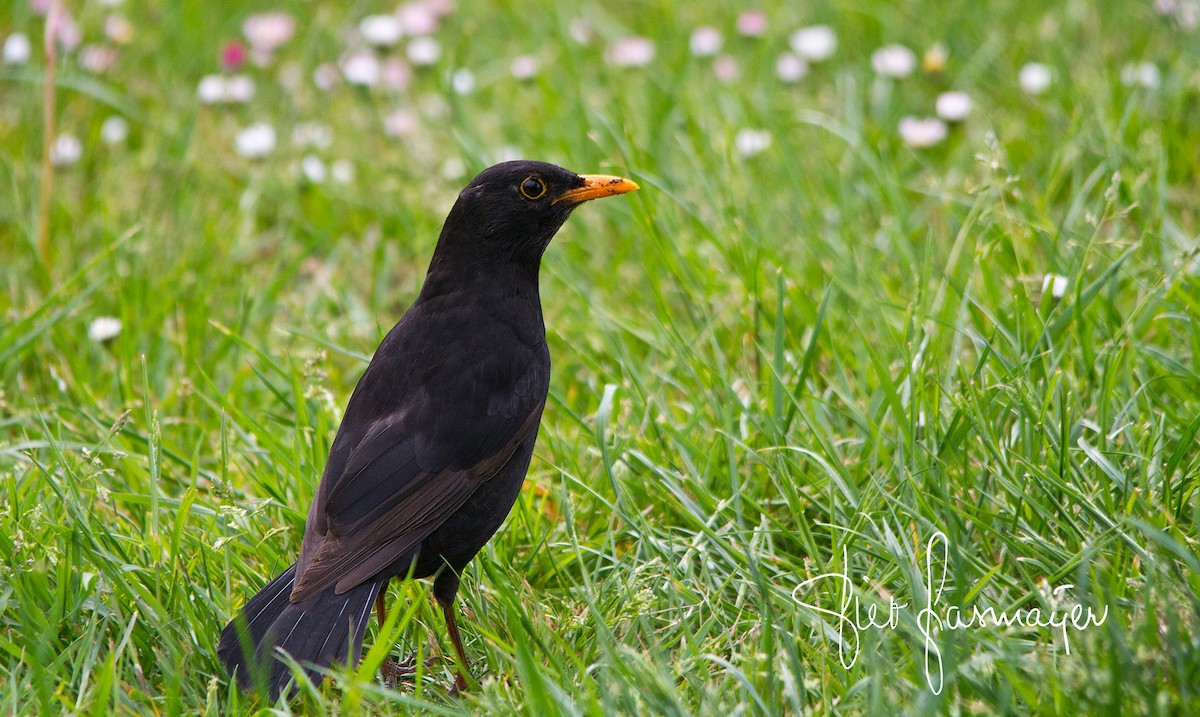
<point x="384" y="502"/>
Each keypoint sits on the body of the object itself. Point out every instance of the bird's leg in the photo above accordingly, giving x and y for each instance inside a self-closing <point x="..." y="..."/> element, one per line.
<point x="445" y="587"/>
<point x="390" y="670"/>
<point x="381" y="605"/>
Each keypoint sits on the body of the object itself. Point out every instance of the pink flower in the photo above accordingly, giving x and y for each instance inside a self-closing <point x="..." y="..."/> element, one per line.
<point x="325" y="76"/>
<point x="118" y="29"/>
<point x="791" y="67"/>
<point x="233" y="56"/>
<point x="395" y="74"/>
<point x="440" y="8"/>
<point x="418" y="18"/>
<point x="726" y="68"/>
<point x="401" y="123"/>
<point x="752" y="23"/>
<point x="269" y="30"/>
<point x="524" y="67"/>
<point x="631" y="52"/>
<point x="69" y="35"/>
<point x="97" y="58"/>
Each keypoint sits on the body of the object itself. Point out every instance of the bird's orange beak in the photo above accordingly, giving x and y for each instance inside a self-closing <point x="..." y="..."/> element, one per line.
<point x="596" y="186"/>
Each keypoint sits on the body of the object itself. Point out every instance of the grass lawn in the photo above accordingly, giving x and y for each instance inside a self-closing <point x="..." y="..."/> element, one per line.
<point x="829" y="367"/>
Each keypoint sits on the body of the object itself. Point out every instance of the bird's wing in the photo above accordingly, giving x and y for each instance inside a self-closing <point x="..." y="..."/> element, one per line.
<point x="402" y="480"/>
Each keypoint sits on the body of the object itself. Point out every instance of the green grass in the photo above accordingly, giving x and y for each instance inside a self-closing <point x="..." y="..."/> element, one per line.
<point x="766" y="368"/>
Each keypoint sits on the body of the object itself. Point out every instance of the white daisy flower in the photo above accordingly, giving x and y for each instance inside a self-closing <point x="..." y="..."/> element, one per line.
<point x="462" y="81"/>
<point x="922" y="132"/>
<point x="361" y="68"/>
<point x="1056" y="283"/>
<point x="705" y="41"/>
<point x="1141" y="74"/>
<point x="66" y="150"/>
<point x="313" y="169"/>
<point x="239" y="89"/>
<point x="894" y="61"/>
<point x="115" y="130"/>
<point x="454" y="169"/>
<point x="17" y="49"/>
<point x="341" y="171"/>
<point x="104" y="328"/>
<point x="256" y="141"/>
<point x="211" y="89"/>
<point x="424" y="50"/>
<point x="312" y="134"/>
<point x="815" y="43"/>
<point x="749" y="142"/>
<point x="1035" y="78"/>
<point x="381" y="30"/>
<point x="953" y="106"/>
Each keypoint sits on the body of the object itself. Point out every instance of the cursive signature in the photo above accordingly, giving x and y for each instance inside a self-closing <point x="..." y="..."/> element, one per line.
<point x="851" y="618"/>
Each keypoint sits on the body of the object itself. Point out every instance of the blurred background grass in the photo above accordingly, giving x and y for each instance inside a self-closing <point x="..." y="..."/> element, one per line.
<point x="766" y="364"/>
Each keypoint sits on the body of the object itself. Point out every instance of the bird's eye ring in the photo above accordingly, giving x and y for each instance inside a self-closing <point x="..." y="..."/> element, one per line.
<point x="533" y="188"/>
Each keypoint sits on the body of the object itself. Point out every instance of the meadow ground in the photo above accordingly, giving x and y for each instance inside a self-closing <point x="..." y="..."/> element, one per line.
<point x="954" y="360"/>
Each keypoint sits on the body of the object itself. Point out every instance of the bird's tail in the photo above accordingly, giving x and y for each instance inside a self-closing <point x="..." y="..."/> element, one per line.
<point x="324" y="629"/>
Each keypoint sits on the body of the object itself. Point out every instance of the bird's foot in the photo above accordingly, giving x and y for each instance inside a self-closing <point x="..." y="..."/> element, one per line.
<point x="393" y="671"/>
<point x="460" y="685"/>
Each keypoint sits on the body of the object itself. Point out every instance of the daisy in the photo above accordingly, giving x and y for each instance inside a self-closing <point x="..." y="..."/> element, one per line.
<point x="749" y="142"/>
<point x="922" y="132"/>
<point x="953" y="106"/>
<point x="631" y="52"/>
<point x="1034" y="78"/>
<point x="256" y="141"/>
<point x="705" y="41"/>
<point x="894" y="61"/>
<point x="104" y="328"/>
<point x="814" y="44"/>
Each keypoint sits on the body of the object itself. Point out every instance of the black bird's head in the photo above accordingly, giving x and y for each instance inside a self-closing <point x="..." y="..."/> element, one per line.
<point x="511" y="211"/>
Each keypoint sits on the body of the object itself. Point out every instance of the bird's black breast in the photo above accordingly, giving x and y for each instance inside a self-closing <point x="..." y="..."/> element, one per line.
<point x="454" y="392"/>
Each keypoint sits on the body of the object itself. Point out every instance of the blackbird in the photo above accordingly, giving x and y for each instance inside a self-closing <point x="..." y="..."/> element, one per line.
<point x="437" y="436"/>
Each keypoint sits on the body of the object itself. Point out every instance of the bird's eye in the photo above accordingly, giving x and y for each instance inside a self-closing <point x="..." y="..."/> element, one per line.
<point x="533" y="188"/>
